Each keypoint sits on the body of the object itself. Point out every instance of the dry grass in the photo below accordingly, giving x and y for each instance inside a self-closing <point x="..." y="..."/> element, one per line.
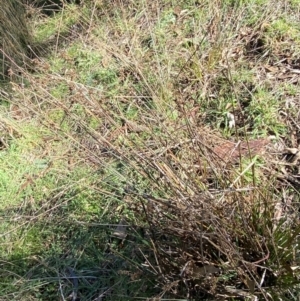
<point x="134" y="111"/>
<point x="14" y="39"/>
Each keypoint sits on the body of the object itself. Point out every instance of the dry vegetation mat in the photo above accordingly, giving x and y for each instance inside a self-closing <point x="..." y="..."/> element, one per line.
<point x="151" y="152"/>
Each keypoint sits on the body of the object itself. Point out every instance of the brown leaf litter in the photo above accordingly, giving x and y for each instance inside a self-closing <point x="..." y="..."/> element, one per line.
<point x="231" y="152"/>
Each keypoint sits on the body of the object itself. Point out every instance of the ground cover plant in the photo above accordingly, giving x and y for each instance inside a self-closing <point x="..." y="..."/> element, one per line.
<point x="149" y="151"/>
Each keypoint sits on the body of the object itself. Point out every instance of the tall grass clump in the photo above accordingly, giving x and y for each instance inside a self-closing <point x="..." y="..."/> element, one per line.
<point x="15" y="36"/>
<point x="155" y="155"/>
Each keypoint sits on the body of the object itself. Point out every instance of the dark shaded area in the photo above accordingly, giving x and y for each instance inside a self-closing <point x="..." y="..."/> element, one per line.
<point x="62" y="258"/>
<point x="49" y="7"/>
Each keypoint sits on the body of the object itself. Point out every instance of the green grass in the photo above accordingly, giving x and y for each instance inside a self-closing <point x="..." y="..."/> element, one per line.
<point x="121" y="116"/>
<point x="45" y="28"/>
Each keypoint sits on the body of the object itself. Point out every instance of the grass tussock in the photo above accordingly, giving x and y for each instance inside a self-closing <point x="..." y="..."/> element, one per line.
<point x="15" y="38"/>
<point x="152" y="153"/>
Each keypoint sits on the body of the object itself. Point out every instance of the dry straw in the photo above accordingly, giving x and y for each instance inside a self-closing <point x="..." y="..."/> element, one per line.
<point x="14" y="36"/>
